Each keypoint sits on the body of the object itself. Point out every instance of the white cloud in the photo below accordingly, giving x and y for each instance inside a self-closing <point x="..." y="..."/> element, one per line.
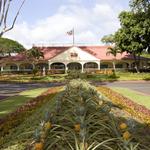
<point x="90" y="25"/>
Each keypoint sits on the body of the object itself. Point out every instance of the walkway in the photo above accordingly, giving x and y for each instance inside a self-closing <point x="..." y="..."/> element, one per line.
<point x="11" y="89"/>
<point x="139" y="86"/>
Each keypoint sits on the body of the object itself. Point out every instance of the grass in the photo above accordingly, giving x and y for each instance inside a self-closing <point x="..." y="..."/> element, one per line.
<point x="146" y="55"/>
<point x="10" y="104"/>
<point x="31" y="78"/>
<point x="135" y="96"/>
<point x="126" y="76"/>
<point x="25" y="131"/>
<point x="133" y="76"/>
<point x="120" y="76"/>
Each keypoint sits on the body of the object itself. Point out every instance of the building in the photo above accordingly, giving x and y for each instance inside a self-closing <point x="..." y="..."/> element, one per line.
<point x="63" y="58"/>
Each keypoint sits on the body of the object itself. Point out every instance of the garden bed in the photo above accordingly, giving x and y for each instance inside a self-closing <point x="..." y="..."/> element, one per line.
<point x="78" y="118"/>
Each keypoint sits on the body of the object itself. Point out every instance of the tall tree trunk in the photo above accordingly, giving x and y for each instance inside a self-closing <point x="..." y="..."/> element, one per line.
<point x="136" y="63"/>
<point x="114" y="67"/>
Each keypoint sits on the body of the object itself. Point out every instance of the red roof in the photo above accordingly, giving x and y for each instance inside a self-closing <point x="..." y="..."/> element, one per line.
<point x="99" y="52"/>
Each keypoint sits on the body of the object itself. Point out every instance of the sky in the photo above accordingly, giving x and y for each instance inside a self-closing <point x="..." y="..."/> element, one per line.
<point x="47" y="22"/>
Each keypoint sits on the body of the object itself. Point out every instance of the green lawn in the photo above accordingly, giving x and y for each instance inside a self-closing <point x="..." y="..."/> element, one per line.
<point x="120" y="76"/>
<point x="137" y="97"/>
<point x="11" y="103"/>
<point x="31" y="78"/>
<point x="126" y="76"/>
<point x="132" y="76"/>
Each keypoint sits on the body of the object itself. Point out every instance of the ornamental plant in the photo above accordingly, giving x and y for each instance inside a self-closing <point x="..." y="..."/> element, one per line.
<point x="83" y="120"/>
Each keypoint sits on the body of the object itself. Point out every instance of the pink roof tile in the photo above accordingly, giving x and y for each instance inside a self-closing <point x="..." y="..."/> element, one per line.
<point x="99" y="52"/>
<point x="50" y="52"/>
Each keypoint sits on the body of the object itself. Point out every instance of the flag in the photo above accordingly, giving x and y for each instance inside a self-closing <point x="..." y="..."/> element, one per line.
<point x="70" y="32"/>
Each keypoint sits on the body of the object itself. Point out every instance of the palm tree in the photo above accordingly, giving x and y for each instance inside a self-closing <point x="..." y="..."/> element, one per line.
<point x="35" y="53"/>
<point x="113" y="51"/>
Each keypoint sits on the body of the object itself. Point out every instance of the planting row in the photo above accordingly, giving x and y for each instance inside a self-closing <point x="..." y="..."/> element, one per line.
<point x="136" y="110"/>
<point x="13" y="119"/>
<point x="83" y="120"/>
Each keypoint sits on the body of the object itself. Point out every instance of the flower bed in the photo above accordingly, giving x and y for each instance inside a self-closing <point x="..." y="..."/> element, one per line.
<point x="83" y="120"/>
<point x="136" y="110"/>
<point x="15" y="118"/>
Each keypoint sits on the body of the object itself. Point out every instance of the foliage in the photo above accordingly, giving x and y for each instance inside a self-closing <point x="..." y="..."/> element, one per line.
<point x="8" y="46"/>
<point x="35" y="53"/>
<point x="139" y="111"/>
<point x="82" y="120"/>
<point x="11" y="103"/>
<point x="77" y="113"/>
<point x="137" y="97"/>
<point x="29" y="78"/>
<point x="113" y="51"/>
<point x="133" y="36"/>
<point x="108" y="39"/>
<point x="140" y="5"/>
<point x="15" y="118"/>
<point x="130" y="37"/>
<point x="73" y="74"/>
<point x="18" y="137"/>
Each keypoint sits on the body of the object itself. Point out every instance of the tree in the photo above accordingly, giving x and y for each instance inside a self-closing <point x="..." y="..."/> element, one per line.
<point x="130" y="37"/>
<point x="8" y="46"/>
<point x="35" y="53"/>
<point x="142" y="10"/>
<point x="113" y="51"/>
<point x="4" y="13"/>
<point x="140" y="5"/>
<point x="108" y="39"/>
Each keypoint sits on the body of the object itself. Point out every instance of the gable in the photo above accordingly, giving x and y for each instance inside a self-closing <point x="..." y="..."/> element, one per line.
<point x="74" y="54"/>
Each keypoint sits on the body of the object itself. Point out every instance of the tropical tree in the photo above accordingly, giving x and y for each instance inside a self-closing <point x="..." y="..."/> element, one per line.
<point x="140" y="5"/>
<point x="131" y="36"/>
<point x="134" y="35"/>
<point x="141" y="9"/>
<point x="108" y="39"/>
<point x="8" y="46"/>
<point x="4" y="14"/>
<point x="35" y="53"/>
<point x="113" y="51"/>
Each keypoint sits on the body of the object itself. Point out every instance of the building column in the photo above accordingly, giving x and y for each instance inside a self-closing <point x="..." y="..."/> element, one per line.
<point x="99" y="65"/>
<point x="49" y="65"/>
<point x="129" y="65"/>
<point x="2" y="68"/>
<point x="82" y="64"/>
<point x="18" y="68"/>
<point x="33" y="66"/>
<point x="66" y="68"/>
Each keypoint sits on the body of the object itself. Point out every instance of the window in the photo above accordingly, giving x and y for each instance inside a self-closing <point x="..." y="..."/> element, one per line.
<point x="119" y="65"/>
<point x="104" y="66"/>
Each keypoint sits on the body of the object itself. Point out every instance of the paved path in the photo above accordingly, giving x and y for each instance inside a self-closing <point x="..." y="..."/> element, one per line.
<point x="140" y="86"/>
<point x="11" y="89"/>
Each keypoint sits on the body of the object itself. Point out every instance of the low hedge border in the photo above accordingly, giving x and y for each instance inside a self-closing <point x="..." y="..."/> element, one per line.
<point x="15" y="118"/>
<point x="138" y="111"/>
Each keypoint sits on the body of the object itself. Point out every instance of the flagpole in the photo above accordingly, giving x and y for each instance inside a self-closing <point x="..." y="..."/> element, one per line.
<point x="73" y="37"/>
